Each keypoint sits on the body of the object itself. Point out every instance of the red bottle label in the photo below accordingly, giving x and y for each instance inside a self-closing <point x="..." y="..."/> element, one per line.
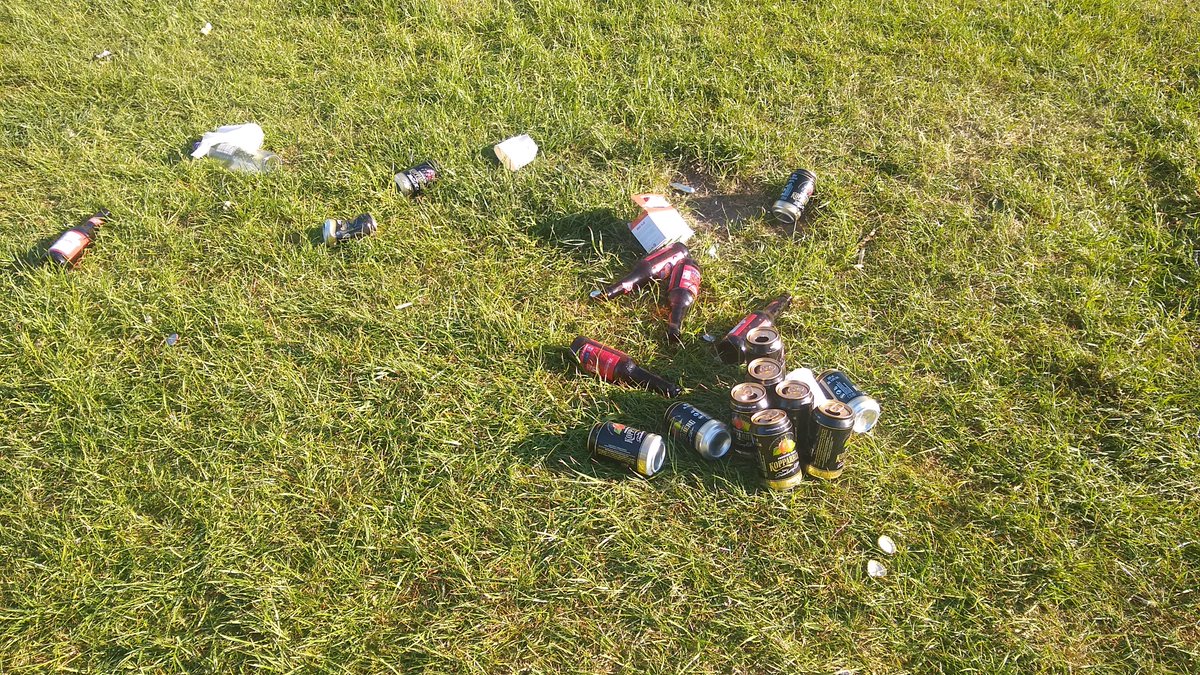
<point x="659" y="269"/>
<point x="70" y="244"/>
<point x="688" y="277"/>
<point x="599" y="360"/>
<point x="751" y="321"/>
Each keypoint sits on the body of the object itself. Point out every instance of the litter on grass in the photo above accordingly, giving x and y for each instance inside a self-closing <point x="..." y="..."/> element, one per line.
<point x="206" y="29"/>
<point x="102" y="55"/>
<point x="172" y="339"/>
<point x="516" y="152"/>
<point x="876" y="569"/>
<point x="684" y="188"/>
<point x="886" y="544"/>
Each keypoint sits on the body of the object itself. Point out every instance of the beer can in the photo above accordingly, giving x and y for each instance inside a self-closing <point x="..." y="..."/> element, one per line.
<point x="335" y="231"/>
<point x="775" y="442"/>
<point x="764" y="342"/>
<point x="834" y="423"/>
<point x="745" y="399"/>
<point x="796" y="193"/>
<point x="794" y="397"/>
<point x="696" y="429"/>
<point x="641" y="451"/>
<point x="415" y="181"/>
<point x="806" y="376"/>
<point x="839" y="387"/>
<point x="767" y="372"/>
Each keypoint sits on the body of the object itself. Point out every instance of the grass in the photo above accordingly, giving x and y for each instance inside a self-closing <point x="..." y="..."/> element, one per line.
<point x="315" y="479"/>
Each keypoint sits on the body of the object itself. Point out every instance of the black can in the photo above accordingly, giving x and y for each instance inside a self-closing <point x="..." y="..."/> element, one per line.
<point x="415" y="181"/>
<point x="335" y="232"/>
<point x="764" y="342"/>
<point x="698" y="430"/>
<point x="639" y="450"/>
<point x="796" y="398"/>
<point x="834" y="424"/>
<point x="745" y="400"/>
<point x="796" y="193"/>
<point x="839" y="386"/>
<point x="767" y="372"/>
<point x="775" y="442"/>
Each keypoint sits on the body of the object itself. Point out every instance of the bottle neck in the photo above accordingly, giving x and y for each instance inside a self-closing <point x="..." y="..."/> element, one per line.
<point x="652" y="381"/>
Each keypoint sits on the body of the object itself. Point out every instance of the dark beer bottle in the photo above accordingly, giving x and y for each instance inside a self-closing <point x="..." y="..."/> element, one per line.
<point x="656" y="265"/>
<point x="732" y="347"/>
<point x="611" y="365"/>
<point x="682" y="290"/>
<point x="70" y="245"/>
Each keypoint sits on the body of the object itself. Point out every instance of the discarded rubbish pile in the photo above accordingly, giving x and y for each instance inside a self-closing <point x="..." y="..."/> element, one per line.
<point x="792" y="423"/>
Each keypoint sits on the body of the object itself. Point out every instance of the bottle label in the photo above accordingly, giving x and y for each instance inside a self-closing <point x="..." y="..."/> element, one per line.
<point x="70" y="244"/>
<point x="667" y="259"/>
<point x="688" y="277"/>
<point x="599" y="360"/>
<point x="751" y="321"/>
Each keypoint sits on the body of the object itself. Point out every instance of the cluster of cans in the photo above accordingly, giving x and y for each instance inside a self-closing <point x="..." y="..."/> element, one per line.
<point x="790" y="425"/>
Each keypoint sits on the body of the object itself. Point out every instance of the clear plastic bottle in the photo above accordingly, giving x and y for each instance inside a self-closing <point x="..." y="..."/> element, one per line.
<point x="237" y="159"/>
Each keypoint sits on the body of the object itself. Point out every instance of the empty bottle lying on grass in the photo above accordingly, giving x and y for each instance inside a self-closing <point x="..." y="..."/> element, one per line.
<point x="68" y="249"/>
<point x="611" y="365"/>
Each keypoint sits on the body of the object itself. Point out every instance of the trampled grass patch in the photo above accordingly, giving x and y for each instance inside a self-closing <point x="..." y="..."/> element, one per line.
<point x="320" y="476"/>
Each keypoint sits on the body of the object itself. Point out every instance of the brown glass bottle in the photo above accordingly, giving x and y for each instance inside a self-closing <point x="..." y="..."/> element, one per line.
<point x="655" y="266"/>
<point x="611" y="365"/>
<point x="732" y="347"/>
<point x="682" y="290"/>
<point x="70" y="245"/>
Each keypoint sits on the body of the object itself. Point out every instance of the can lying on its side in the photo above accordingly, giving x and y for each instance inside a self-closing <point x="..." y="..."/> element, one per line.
<point x="839" y="387"/>
<point x="698" y="430"/>
<point x="641" y="451"/>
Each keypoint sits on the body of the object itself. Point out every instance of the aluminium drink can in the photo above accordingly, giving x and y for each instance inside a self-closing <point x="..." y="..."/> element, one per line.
<point x="767" y="372"/>
<point x="335" y="231"/>
<point x="796" y="398"/>
<point x="764" y="342"/>
<point x="778" y="460"/>
<point x="745" y="400"/>
<point x="834" y="423"/>
<point x="839" y="387"/>
<point x="690" y="426"/>
<point x="796" y="193"/>
<point x="639" y="450"/>
<point x="415" y="181"/>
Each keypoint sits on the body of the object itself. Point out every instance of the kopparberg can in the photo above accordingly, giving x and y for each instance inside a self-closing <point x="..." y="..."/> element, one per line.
<point x="641" y="451"/>
<point x="745" y="399"/>
<point x="775" y="441"/>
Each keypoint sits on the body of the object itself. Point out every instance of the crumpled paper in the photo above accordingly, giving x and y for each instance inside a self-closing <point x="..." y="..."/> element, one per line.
<point x="248" y="137"/>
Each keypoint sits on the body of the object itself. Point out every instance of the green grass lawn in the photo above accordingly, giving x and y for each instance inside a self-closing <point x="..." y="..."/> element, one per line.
<point x="318" y="478"/>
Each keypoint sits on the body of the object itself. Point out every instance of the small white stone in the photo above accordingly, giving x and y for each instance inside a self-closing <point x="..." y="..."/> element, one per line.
<point x="886" y="544"/>
<point x="206" y="29"/>
<point x="876" y="569"/>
